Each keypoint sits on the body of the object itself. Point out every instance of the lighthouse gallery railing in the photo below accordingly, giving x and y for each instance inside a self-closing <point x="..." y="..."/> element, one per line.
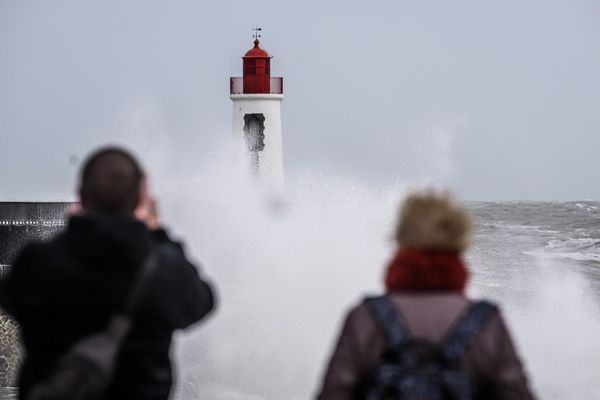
<point x="236" y="85"/>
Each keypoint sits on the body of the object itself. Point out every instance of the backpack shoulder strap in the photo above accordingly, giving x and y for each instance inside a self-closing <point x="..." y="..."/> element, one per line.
<point x="387" y="319"/>
<point x="456" y="341"/>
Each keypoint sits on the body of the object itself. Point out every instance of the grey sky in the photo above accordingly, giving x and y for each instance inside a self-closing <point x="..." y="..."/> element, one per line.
<point x="498" y="99"/>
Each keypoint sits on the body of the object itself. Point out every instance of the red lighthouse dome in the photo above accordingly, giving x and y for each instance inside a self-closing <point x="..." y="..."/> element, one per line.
<point x="257" y="70"/>
<point x="257" y="52"/>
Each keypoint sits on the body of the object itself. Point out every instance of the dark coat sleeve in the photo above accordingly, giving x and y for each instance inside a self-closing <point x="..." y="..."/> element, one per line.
<point x="189" y="297"/>
<point x="345" y="368"/>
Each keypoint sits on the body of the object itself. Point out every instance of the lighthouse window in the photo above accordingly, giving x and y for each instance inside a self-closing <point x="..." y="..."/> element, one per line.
<point x="254" y="127"/>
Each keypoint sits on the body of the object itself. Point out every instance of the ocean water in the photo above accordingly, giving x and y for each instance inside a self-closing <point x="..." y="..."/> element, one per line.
<point x="541" y="262"/>
<point x="287" y="272"/>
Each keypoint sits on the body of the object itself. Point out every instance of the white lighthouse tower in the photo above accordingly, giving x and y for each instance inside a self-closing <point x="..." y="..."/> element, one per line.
<point x="257" y="114"/>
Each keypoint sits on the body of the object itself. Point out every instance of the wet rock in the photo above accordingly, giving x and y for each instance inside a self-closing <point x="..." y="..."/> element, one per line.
<point x="10" y="351"/>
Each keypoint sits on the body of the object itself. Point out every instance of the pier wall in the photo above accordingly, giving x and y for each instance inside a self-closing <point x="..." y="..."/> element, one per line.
<point x="21" y="222"/>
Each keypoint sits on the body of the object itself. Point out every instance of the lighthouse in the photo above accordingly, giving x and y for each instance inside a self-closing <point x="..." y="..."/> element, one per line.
<point x="257" y="98"/>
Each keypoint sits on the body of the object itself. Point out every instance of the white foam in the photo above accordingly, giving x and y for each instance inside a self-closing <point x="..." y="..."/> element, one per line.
<point x="287" y="274"/>
<point x="517" y="227"/>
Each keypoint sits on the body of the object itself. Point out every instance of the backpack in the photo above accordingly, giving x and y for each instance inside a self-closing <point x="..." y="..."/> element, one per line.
<point x="85" y="371"/>
<point x="418" y="369"/>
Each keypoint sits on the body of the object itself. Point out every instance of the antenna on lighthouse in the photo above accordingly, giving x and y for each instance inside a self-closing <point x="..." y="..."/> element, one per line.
<point x="256" y="35"/>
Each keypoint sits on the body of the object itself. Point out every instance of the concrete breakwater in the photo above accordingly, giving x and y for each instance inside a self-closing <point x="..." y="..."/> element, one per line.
<point x="10" y="351"/>
<point x="21" y="222"/>
<point x="8" y="393"/>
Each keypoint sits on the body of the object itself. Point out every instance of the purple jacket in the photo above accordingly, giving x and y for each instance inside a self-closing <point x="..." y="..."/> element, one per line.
<point x="490" y="359"/>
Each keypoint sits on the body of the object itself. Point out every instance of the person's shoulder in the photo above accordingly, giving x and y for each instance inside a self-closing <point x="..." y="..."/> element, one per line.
<point x="493" y="329"/>
<point x="489" y="307"/>
<point x="176" y="267"/>
<point x="361" y="307"/>
<point x="25" y="269"/>
<point x="431" y="297"/>
<point x="165" y="244"/>
<point x="35" y="254"/>
<point x="359" y="313"/>
<point x="33" y="251"/>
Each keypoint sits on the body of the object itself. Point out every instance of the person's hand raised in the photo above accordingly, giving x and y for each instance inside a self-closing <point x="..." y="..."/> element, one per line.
<point x="147" y="212"/>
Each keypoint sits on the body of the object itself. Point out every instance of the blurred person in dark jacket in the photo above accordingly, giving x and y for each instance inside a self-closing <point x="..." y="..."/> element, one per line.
<point x="65" y="289"/>
<point x="425" y="282"/>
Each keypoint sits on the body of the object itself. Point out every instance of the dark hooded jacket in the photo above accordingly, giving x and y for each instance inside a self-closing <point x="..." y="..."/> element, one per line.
<point x="67" y="288"/>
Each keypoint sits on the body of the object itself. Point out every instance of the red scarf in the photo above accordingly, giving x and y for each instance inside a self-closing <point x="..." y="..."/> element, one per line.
<point x="414" y="270"/>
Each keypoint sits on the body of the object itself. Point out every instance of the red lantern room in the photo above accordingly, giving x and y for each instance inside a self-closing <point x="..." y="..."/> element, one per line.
<point x="257" y="70"/>
<point x="257" y="73"/>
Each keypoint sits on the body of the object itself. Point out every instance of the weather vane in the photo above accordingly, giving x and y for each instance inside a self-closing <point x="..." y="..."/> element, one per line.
<point x="256" y="34"/>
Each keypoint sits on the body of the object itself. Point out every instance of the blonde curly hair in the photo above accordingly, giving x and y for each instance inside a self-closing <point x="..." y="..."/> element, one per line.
<point x="433" y="220"/>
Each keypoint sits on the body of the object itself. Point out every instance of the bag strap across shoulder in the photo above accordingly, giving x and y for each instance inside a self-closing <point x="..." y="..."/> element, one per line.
<point x="142" y="276"/>
<point x="455" y="342"/>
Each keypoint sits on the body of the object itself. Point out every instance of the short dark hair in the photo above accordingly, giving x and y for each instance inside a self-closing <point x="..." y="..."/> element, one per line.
<point x="110" y="181"/>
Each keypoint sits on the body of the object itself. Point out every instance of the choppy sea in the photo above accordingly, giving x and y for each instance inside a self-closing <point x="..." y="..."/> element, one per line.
<point x="520" y="243"/>
<point x="541" y="262"/>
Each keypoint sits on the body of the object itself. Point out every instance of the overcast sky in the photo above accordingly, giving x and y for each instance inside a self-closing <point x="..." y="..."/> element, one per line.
<point x="498" y="99"/>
